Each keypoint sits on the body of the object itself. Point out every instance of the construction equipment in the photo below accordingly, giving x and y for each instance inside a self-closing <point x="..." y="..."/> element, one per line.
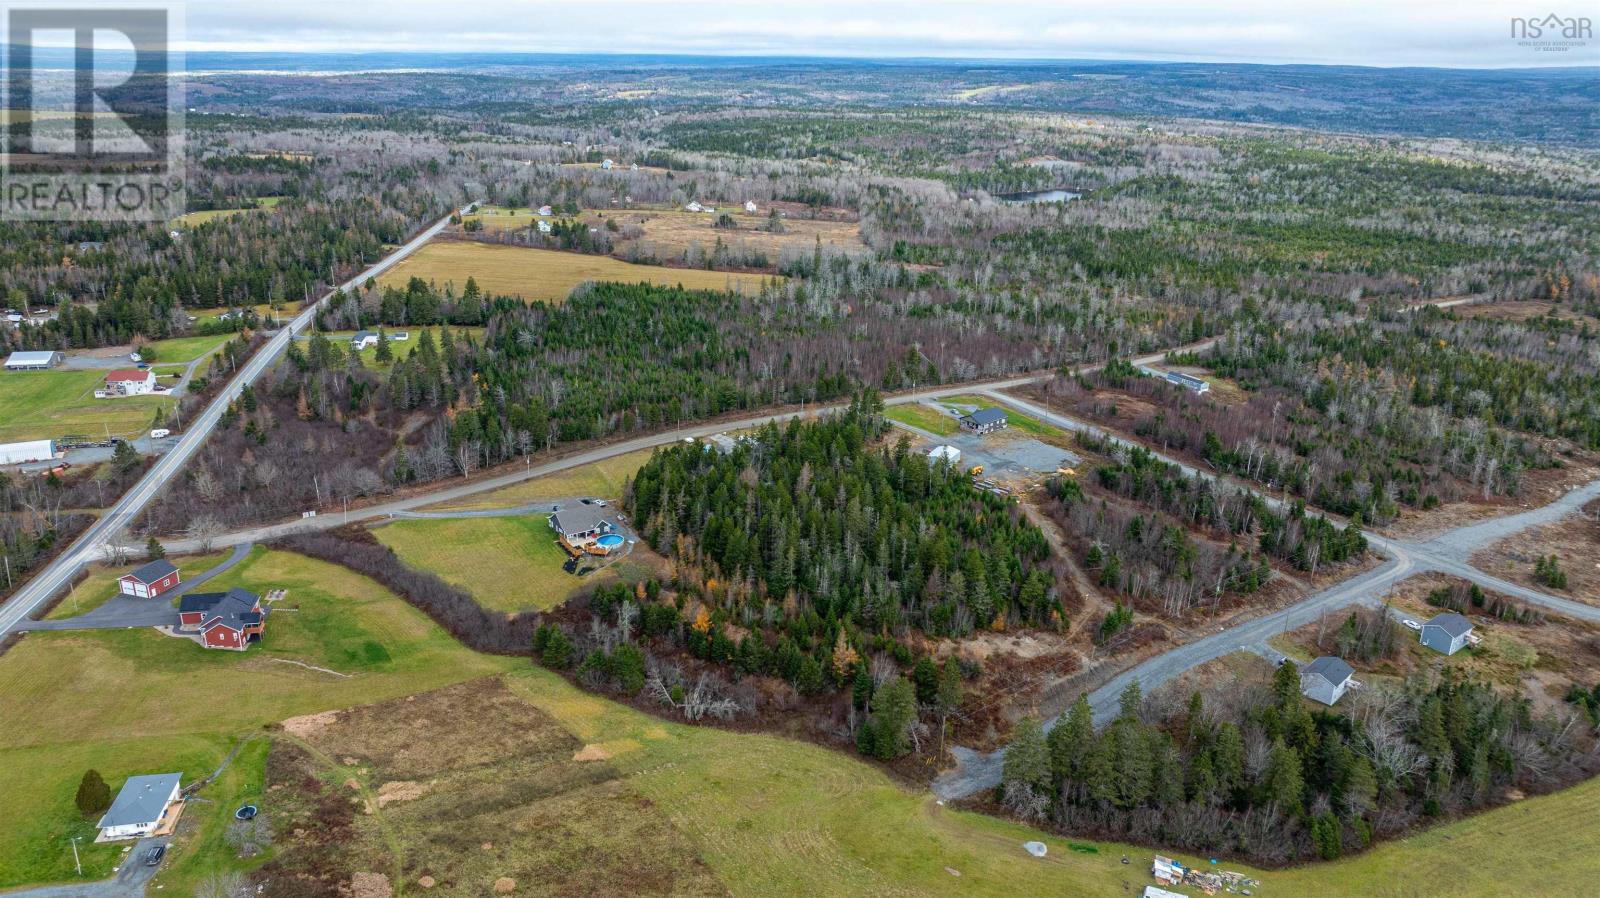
<point x="975" y="471"/>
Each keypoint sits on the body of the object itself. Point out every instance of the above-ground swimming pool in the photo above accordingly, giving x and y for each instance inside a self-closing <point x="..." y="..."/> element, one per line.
<point x="609" y="541"/>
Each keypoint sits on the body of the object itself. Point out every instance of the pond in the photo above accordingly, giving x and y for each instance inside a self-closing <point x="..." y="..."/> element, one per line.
<point x="1038" y="196"/>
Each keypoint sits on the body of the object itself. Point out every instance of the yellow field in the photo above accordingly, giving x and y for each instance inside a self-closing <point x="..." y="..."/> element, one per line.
<point x="544" y="274"/>
<point x="668" y="233"/>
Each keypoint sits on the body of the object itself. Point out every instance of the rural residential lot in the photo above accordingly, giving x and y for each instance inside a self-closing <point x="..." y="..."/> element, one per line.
<point x="879" y="474"/>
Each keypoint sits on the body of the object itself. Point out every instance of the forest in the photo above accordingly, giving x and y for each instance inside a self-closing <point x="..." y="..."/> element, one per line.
<point x="1260" y="777"/>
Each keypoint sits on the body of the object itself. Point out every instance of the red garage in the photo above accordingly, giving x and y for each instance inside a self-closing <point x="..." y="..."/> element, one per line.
<point x="150" y="580"/>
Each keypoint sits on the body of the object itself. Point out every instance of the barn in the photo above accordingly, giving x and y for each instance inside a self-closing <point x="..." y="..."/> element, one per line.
<point x="149" y="580"/>
<point x="33" y="361"/>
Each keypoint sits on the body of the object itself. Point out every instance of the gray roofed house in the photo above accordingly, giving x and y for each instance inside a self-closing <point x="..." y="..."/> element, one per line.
<point x="363" y="339"/>
<point x="984" y="420"/>
<point x="1326" y="679"/>
<point x="140" y="806"/>
<point x="580" y="524"/>
<point x="1447" y="633"/>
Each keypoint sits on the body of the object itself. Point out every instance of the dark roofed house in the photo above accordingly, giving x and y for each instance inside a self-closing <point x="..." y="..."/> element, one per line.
<point x="1326" y="679"/>
<point x="1447" y="633"/>
<point x="149" y="580"/>
<point x="580" y="524"/>
<point x="140" y="806"/>
<point x="224" y="620"/>
<point x="985" y="420"/>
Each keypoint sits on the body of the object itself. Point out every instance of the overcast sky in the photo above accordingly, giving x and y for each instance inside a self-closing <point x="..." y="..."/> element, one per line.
<point x="1465" y="33"/>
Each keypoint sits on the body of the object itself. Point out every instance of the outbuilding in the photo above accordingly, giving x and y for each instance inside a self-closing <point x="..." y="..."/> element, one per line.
<point x="944" y="455"/>
<point x="1326" y="679"/>
<point x="24" y="452"/>
<point x="1447" y="633"/>
<point x="149" y="580"/>
<point x="985" y="420"/>
<point x="141" y="806"/>
<point x="1188" y="382"/>
<point x="33" y="361"/>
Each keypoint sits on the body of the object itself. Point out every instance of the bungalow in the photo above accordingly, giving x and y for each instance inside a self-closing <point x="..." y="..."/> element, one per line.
<point x="33" y="361"/>
<point x="544" y="210"/>
<point x="140" y="807"/>
<point x="1188" y="382"/>
<point x="149" y="580"/>
<point x="985" y="420"/>
<point x="363" y="339"/>
<point x="130" y="382"/>
<point x="750" y="206"/>
<point x="1447" y="633"/>
<point x="579" y="525"/>
<point x="224" y="620"/>
<point x="544" y="227"/>
<point x="1326" y="679"/>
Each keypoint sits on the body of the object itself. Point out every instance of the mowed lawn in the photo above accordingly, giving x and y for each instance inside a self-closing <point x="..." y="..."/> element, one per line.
<point x="134" y="701"/>
<point x="101" y="583"/>
<point x="1017" y="420"/>
<point x="46" y="405"/>
<point x="923" y="417"/>
<point x="190" y="219"/>
<point x="545" y="274"/>
<point x="507" y="564"/>
<point x="183" y="349"/>
<point x="603" y="479"/>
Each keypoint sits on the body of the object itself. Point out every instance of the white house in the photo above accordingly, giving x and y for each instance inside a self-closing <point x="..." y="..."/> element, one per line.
<point x="607" y="164"/>
<point x="130" y="382"/>
<point x="1326" y="679"/>
<point x="544" y="227"/>
<point x="545" y="210"/>
<point x="750" y="206"/>
<point x="363" y="339"/>
<point x="33" y="361"/>
<point x="140" y="806"/>
<point x="694" y="206"/>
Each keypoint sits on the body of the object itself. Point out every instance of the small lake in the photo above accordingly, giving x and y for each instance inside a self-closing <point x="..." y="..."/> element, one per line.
<point x="1038" y="196"/>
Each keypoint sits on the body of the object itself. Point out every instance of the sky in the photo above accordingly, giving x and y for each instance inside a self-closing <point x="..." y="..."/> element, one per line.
<point x="1448" y="33"/>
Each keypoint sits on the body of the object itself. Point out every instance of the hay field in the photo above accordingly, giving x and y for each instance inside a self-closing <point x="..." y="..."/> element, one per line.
<point x="548" y="275"/>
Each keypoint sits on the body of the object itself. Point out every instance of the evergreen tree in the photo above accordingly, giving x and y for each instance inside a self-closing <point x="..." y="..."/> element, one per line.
<point x="94" y="796"/>
<point x="1027" y="761"/>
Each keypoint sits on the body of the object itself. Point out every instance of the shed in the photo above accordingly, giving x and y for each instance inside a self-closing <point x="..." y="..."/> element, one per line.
<point x="985" y="420"/>
<point x="1188" y="382"/>
<point x="1447" y="633"/>
<point x="33" y="360"/>
<point x="944" y="455"/>
<point x="1326" y="679"/>
<point x="141" y="805"/>
<point x="149" y="580"/>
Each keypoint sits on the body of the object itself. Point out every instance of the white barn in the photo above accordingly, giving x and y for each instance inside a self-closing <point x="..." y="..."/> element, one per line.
<point x="31" y="450"/>
<point x="33" y="361"/>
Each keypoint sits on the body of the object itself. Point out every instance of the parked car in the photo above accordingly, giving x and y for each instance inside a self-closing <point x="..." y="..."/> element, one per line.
<point x="153" y="856"/>
<point x="135" y="357"/>
<point x="1411" y="624"/>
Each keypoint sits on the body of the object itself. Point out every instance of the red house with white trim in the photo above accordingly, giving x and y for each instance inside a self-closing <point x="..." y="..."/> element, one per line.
<point x="224" y="620"/>
<point x="149" y="580"/>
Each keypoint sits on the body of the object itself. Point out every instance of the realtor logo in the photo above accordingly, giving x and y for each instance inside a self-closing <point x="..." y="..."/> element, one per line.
<point x="95" y="114"/>
<point x="1552" y="33"/>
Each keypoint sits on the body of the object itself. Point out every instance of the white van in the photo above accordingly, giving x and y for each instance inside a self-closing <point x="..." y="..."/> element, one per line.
<point x="159" y="432"/>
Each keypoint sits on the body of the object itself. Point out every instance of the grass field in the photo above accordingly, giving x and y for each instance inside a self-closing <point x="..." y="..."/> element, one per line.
<point x="667" y="233"/>
<point x="1019" y="421"/>
<point x="39" y="405"/>
<point x="545" y="274"/>
<point x="134" y="701"/>
<point x="506" y="564"/>
<point x="190" y="219"/>
<point x="603" y="479"/>
<point x="182" y="349"/>
<point x="401" y="349"/>
<point x="923" y="417"/>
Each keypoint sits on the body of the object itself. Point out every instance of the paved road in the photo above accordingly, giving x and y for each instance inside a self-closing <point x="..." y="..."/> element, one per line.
<point x="976" y="771"/>
<point x="121" y="612"/>
<point x="59" y="573"/>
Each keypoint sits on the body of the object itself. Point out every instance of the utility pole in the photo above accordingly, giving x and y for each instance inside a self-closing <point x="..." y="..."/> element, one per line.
<point x="76" y="861"/>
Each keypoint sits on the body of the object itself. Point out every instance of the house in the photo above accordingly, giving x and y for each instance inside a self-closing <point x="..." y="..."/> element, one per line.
<point x="224" y="620"/>
<point x="606" y="164"/>
<point x="694" y="207"/>
<point x="33" y="361"/>
<point x="944" y="455"/>
<point x="30" y="450"/>
<point x="1326" y="679"/>
<point x="1447" y="633"/>
<point x="141" y="806"/>
<point x="750" y="206"/>
<point x="363" y="339"/>
<point x="90" y="246"/>
<point x="149" y="580"/>
<point x="1188" y="382"/>
<point x="579" y="525"/>
<point x="544" y="210"/>
<point x="130" y="382"/>
<point x="544" y="227"/>
<point x="985" y="420"/>
<point x="723" y="443"/>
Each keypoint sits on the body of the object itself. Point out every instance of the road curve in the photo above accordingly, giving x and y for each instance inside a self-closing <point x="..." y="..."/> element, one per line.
<point x="65" y="567"/>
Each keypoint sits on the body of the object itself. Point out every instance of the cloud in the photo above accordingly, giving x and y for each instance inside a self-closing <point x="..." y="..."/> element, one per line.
<point x="1469" y="33"/>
